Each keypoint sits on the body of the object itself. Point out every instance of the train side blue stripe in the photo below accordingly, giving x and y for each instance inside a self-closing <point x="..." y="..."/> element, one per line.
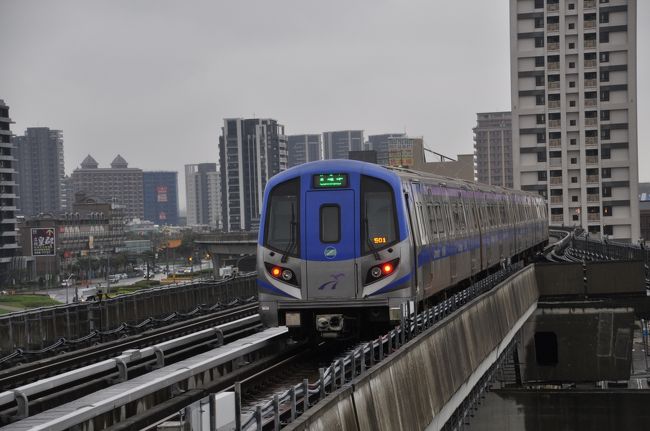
<point x="273" y="289"/>
<point x="392" y="285"/>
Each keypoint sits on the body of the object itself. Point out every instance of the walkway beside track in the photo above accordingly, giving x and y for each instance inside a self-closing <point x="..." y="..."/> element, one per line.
<point x="422" y="384"/>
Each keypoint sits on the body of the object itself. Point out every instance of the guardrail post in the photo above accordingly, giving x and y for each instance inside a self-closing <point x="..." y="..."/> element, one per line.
<point x="238" y="407"/>
<point x="362" y="357"/>
<point x="276" y="412"/>
<point x="402" y="324"/>
<point x="258" y="418"/>
<point x="213" y="412"/>
<point x="305" y="395"/>
<point x="342" y="368"/>
<point x="23" y="405"/>
<point x="353" y="362"/>
<point x="294" y="406"/>
<point x="321" y="389"/>
<point x="122" y="369"/>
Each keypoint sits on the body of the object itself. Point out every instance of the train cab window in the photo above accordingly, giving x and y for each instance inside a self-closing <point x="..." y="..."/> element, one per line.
<point x="282" y="229"/>
<point x="330" y="223"/>
<point x="378" y="215"/>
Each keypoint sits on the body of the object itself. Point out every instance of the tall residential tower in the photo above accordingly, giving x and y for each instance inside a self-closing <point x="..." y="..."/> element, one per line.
<point x="250" y="152"/>
<point x="493" y="148"/>
<point x="40" y="169"/>
<point x="574" y="116"/>
<point x="8" y="243"/>
<point x="303" y="149"/>
<point x="199" y="179"/>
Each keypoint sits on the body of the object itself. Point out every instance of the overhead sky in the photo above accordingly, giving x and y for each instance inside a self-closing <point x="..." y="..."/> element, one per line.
<point x="152" y="80"/>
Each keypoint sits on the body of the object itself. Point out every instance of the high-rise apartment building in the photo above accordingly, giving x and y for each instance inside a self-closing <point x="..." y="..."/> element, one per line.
<point x="118" y="184"/>
<point x="250" y="152"/>
<point x="574" y="117"/>
<point x="379" y="143"/>
<point x="199" y="179"/>
<point x="493" y="148"/>
<point x="8" y="243"/>
<point x="302" y="149"/>
<point x="40" y="171"/>
<point x="337" y="145"/>
<point x="160" y="190"/>
<point x="214" y="199"/>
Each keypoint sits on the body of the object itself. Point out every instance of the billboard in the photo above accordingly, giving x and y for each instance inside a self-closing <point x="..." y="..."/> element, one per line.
<point x="43" y="242"/>
<point x="161" y="193"/>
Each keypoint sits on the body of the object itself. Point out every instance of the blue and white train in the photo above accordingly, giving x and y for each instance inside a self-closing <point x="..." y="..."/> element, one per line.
<point x="344" y="244"/>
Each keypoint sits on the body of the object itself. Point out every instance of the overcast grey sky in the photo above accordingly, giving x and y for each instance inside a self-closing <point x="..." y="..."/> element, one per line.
<point x="153" y="79"/>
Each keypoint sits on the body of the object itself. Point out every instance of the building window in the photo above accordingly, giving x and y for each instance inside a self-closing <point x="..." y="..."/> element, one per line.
<point x="572" y="84"/>
<point x="572" y="65"/>
<point x="604" y="17"/>
<point x="541" y="176"/>
<point x="605" y="134"/>
<point x="541" y="118"/>
<point x="539" y="22"/>
<point x="607" y="211"/>
<point x="541" y="157"/>
<point x="540" y="99"/>
<point x="607" y="191"/>
<point x="604" y="95"/>
<point x="608" y="229"/>
<point x="539" y="81"/>
<point x="539" y="4"/>
<point x="574" y="198"/>
<point x="539" y="61"/>
<point x="572" y="6"/>
<point x="604" y="76"/>
<point x="539" y="42"/>
<point x="572" y="25"/>
<point x="574" y="160"/>
<point x="575" y="216"/>
<point x="541" y="138"/>
<point x="574" y="180"/>
<point x="604" y="57"/>
<point x="573" y="141"/>
<point x="606" y="172"/>
<point x="604" y="115"/>
<point x="604" y="37"/>
<point x="572" y="103"/>
<point x="572" y="45"/>
<point x="605" y="153"/>
<point x="572" y="122"/>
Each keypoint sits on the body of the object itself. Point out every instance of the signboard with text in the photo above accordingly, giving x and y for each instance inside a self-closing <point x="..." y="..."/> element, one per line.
<point x="43" y="242"/>
<point x="161" y="194"/>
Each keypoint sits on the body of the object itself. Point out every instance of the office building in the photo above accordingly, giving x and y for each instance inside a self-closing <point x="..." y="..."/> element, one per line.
<point x="493" y="148"/>
<point x="8" y="243"/>
<point x="160" y="190"/>
<point x="214" y="199"/>
<point x="199" y="179"/>
<point x="40" y="171"/>
<point x="337" y="145"/>
<point x="118" y="184"/>
<point x="574" y="116"/>
<point x="379" y="144"/>
<point x="250" y="152"/>
<point x="302" y="149"/>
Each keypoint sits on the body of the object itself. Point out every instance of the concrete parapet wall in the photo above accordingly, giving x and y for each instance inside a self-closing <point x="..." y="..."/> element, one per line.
<point x="412" y="388"/>
<point x="43" y="326"/>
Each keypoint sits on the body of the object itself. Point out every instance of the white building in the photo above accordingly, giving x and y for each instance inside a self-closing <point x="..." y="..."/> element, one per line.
<point x="574" y="117"/>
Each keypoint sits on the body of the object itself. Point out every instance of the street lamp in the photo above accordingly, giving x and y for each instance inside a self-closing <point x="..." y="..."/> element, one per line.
<point x="192" y="268"/>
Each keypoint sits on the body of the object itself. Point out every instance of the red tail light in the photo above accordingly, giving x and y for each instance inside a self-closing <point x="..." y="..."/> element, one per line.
<point x="276" y="271"/>
<point x="387" y="268"/>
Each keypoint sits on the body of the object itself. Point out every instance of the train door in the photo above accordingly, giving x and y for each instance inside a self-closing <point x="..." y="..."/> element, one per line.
<point x="331" y="239"/>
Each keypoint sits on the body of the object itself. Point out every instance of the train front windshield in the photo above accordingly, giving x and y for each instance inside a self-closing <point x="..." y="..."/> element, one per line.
<point x="283" y="218"/>
<point x="378" y="218"/>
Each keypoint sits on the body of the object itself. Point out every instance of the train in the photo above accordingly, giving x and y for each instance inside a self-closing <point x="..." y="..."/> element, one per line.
<point x="345" y="245"/>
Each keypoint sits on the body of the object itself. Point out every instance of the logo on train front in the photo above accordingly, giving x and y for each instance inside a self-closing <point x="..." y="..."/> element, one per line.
<point x="330" y="252"/>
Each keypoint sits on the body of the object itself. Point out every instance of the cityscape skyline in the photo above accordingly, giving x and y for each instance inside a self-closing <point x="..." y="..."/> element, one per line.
<point x="146" y="94"/>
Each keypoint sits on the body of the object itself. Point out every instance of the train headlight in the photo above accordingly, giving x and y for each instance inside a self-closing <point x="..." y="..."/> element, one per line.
<point x="382" y="270"/>
<point x="287" y="275"/>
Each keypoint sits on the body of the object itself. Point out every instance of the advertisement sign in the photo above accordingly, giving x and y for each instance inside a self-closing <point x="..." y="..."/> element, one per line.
<point x="161" y="193"/>
<point x="162" y="215"/>
<point x="43" y="242"/>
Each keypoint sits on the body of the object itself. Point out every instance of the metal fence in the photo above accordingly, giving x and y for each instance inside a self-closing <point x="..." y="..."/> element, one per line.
<point x="51" y="327"/>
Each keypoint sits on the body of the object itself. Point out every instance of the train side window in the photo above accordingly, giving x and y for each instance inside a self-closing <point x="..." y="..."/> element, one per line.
<point x="330" y="223"/>
<point x="439" y="219"/>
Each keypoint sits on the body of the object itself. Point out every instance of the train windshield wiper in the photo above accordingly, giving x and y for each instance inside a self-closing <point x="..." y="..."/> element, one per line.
<point x="292" y="238"/>
<point x="370" y="244"/>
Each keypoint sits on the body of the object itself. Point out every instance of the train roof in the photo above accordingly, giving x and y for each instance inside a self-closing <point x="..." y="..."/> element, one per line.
<point x="384" y="171"/>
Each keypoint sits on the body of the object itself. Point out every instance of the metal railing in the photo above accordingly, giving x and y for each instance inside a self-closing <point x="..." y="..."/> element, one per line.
<point x="284" y="407"/>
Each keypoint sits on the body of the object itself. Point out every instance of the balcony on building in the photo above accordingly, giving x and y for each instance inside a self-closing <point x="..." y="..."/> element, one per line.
<point x="556" y="180"/>
<point x="557" y="218"/>
<point x="592" y="179"/>
<point x="595" y="197"/>
<point x="590" y="4"/>
<point x="591" y="64"/>
<point x="554" y="85"/>
<point x="591" y="83"/>
<point x="553" y="7"/>
<point x="554" y="124"/>
<point x="590" y="24"/>
<point x="555" y="162"/>
<point x="553" y="27"/>
<point x="593" y="217"/>
<point x="591" y="121"/>
<point x="553" y="46"/>
<point x="554" y="143"/>
<point x="590" y="43"/>
<point x="555" y="65"/>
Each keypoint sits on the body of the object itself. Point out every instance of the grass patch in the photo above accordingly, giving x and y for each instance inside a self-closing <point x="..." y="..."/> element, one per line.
<point x="28" y="301"/>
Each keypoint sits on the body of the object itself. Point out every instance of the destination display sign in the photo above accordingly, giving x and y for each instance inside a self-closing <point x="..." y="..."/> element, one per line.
<point x="330" y="181"/>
